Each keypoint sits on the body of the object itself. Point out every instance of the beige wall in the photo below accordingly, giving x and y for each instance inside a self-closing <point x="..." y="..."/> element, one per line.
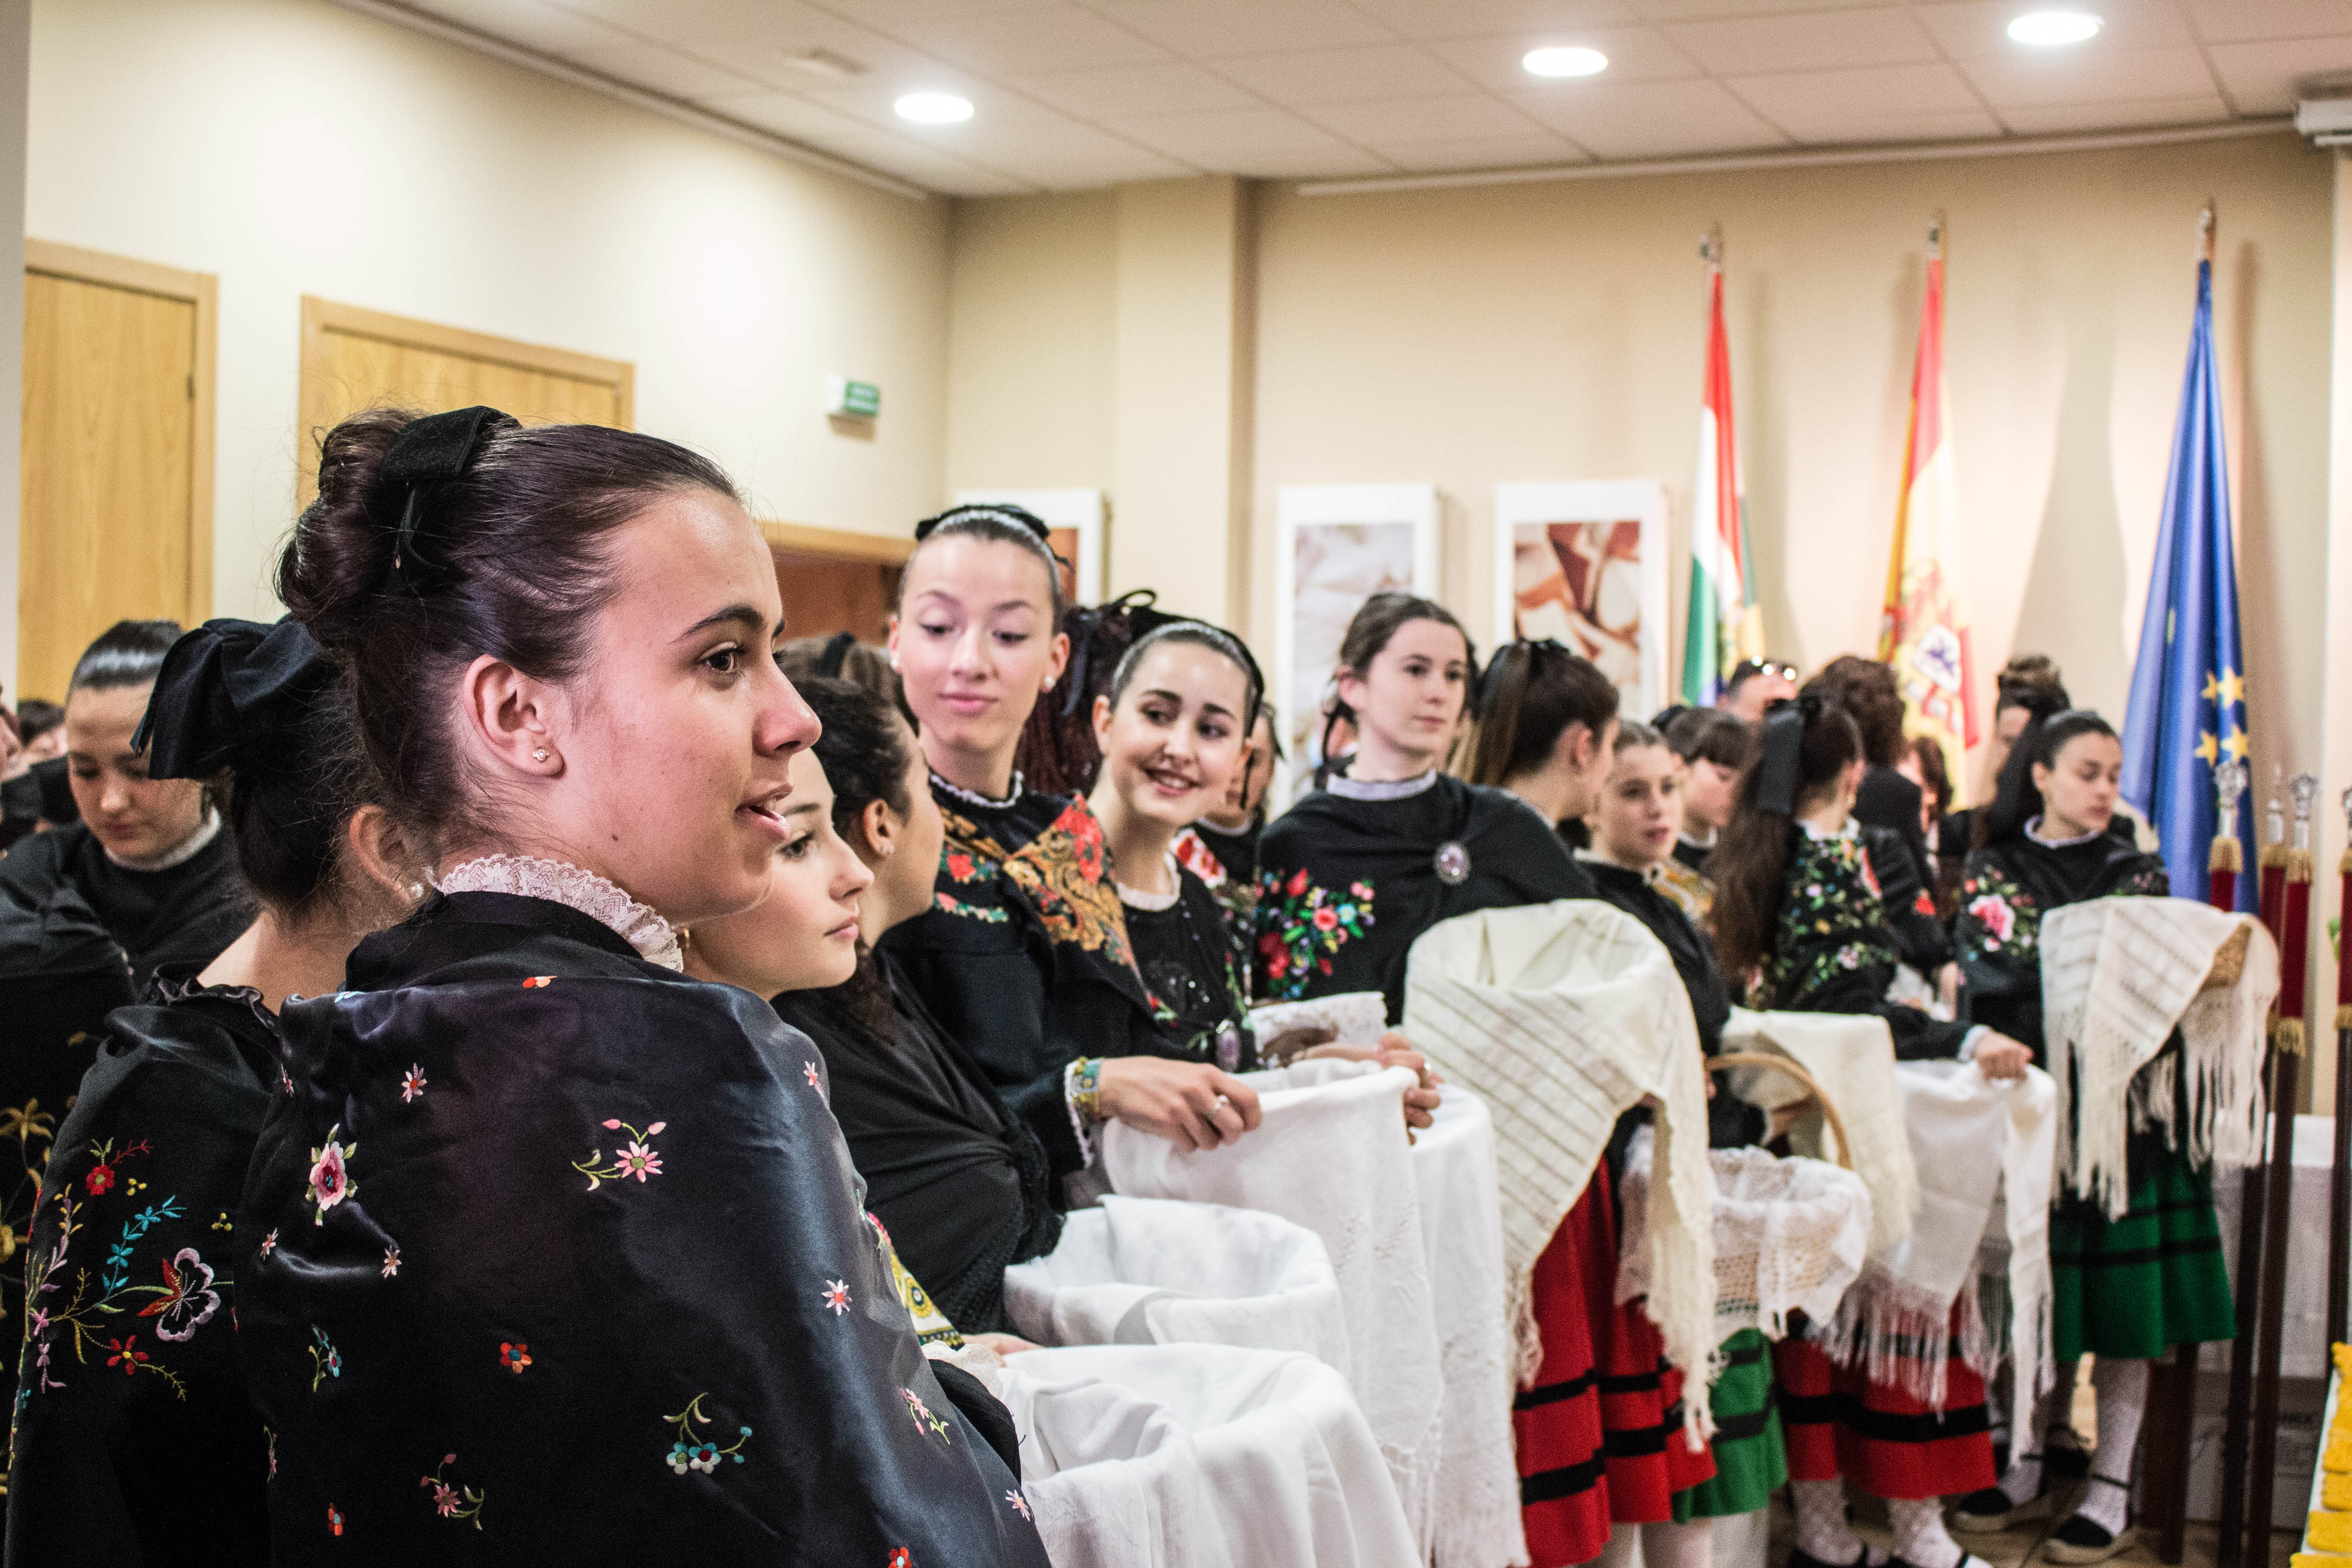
<point x="294" y="148"/>
<point x="1554" y="331"/>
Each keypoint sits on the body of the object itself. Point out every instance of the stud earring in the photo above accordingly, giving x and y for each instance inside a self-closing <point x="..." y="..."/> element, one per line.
<point x="540" y="754"/>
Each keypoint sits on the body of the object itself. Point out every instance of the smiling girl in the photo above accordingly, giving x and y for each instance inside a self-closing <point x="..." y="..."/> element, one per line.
<point x="1024" y="958"/>
<point x="544" y="1238"/>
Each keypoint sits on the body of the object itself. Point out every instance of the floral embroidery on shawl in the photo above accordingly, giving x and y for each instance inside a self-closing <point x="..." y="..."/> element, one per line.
<point x="1301" y="924"/>
<point x="924" y="1419"/>
<point x="1063" y="871"/>
<point x="638" y="1158"/>
<point x="330" y="1176"/>
<point x="1832" y="921"/>
<point x="182" y="1303"/>
<point x="449" y="1500"/>
<point x="693" y="1452"/>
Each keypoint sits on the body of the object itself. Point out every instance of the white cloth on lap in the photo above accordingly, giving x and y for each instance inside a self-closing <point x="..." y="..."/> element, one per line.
<point x="2118" y="975"/>
<point x="1852" y="1056"/>
<point x="1478" y="1523"/>
<point x="1563" y="1015"/>
<point x="1201" y="1457"/>
<point x="1789" y="1236"/>
<point x="1152" y="1271"/>
<point x="1331" y="1155"/>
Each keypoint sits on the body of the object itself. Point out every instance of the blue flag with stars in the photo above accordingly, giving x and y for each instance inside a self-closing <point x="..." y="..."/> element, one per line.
<point x="2188" y="706"/>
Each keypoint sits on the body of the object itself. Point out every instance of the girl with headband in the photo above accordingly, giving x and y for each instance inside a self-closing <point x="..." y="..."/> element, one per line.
<point x="545" y="1239"/>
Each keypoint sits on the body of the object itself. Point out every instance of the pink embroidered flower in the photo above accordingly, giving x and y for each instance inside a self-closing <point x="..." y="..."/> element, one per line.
<point x="916" y="1407"/>
<point x="514" y="1357"/>
<point x="330" y="1178"/>
<point x="392" y="1260"/>
<point x="1325" y="919"/>
<point x="413" y="1084"/>
<point x="836" y="1296"/>
<point x="285" y="1081"/>
<point x="1020" y="1504"/>
<point x="808" y="1071"/>
<point x="188" y="1301"/>
<point x="638" y="1161"/>
<point x="538" y="983"/>
<point x="269" y="1244"/>
<point x="1992" y="912"/>
<point x="445" y="1498"/>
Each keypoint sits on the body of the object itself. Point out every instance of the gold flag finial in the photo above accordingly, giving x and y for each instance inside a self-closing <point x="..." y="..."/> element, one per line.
<point x="2205" y="232"/>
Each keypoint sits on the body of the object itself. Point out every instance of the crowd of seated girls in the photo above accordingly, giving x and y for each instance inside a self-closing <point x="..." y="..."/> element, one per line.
<point x="527" y="834"/>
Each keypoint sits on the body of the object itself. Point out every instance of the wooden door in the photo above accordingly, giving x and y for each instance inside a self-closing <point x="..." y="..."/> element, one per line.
<point x="354" y="359"/>
<point x="117" y="467"/>
<point x="835" y="580"/>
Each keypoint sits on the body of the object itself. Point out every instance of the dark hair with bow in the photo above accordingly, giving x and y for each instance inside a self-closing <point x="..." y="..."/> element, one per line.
<point x="1529" y="695"/>
<point x="259" y="714"/>
<point x="1803" y="746"/>
<point x="435" y="540"/>
<point x="997" y="522"/>
<point x="1200" y="633"/>
<point x="2016" y="801"/>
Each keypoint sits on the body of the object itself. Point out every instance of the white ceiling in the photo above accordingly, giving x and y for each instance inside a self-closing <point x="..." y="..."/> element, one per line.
<point x="1072" y="93"/>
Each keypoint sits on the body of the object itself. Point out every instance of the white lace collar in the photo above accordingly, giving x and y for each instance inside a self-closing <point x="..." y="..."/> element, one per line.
<point x="2033" y="831"/>
<point x="1151" y="903"/>
<point x="179" y="854"/>
<point x="1347" y="788"/>
<point x="604" y="902"/>
<point x="973" y="797"/>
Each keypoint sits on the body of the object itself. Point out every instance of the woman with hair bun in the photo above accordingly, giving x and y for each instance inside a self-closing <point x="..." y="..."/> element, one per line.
<point x="2127" y="1289"/>
<point x="131" y="1262"/>
<point x="549" y="1251"/>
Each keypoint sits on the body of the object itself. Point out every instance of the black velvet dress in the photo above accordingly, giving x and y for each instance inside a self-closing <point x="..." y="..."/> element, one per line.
<point x="961" y="1182"/>
<point x="1348" y="881"/>
<point x="184" y="914"/>
<point x="1194" y="961"/>
<point x="1025" y="959"/>
<point x="134" y="1442"/>
<point x="553" y="1255"/>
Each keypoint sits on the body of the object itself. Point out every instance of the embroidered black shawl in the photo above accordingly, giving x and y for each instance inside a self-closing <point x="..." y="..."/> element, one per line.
<point x="184" y="914"/>
<point x="552" y="1254"/>
<point x="1833" y="950"/>
<point x="2008" y="891"/>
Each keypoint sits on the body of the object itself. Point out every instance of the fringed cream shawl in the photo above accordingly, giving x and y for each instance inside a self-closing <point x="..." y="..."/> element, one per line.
<point x="2118" y="975"/>
<point x="1563" y="1015"/>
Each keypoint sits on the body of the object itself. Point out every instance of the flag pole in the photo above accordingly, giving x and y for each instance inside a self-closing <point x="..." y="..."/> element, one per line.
<point x="2286" y="1056"/>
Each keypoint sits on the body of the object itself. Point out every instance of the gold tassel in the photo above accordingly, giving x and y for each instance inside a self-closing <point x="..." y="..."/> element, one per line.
<point x="2286" y="1036"/>
<point x="2272" y="855"/>
<point x="2298" y="865"/>
<point x="2229" y="855"/>
<point x="2344" y="1016"/>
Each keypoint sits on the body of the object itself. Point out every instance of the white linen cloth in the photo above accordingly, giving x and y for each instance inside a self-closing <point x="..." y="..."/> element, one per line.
<point x="1789" y="1236"/>
<point x="1562" y="1016"/>
<point x="1478" y="1523"/>
<point x="1200" y="1456"/>
<point x="1153" y="1271"/>
<point x="1852" y="1056"/>
<point x="1331" y="1154"/>
<point x="2117" y="976"/>
<point x="1984" y="1152"/>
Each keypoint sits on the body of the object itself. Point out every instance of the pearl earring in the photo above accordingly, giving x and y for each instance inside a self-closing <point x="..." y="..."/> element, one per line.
<point x="540" y="754"/>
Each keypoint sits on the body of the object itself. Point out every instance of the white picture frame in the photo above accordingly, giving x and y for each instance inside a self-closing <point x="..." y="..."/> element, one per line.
<point x="1078" y="512"/>
<point x="1336" y="545"/>
<point x="1594" y="600"/>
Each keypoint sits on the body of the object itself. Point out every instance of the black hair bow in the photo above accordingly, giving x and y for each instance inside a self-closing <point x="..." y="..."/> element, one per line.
<point x="1778" y="756"/>
<point x="428" y="451"/>
<point x="224" y="686"/>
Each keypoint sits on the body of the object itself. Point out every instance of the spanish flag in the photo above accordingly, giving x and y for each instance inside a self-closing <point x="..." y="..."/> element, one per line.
<point x="1924" y="633"/>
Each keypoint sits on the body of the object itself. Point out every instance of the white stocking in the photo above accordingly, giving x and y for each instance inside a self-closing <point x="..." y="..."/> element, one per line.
<point x="1823" y="1533"/>
<point x="1920" y="1537"/>
<point x="2122" y="1387"/>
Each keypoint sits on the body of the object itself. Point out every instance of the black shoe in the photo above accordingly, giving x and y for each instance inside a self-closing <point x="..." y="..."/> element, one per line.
<point x="2084" y="1540"/>
<point x="1988" y="1511"/>
<point x="1799" y="1558"/>
<point x="2065" y="1461"/>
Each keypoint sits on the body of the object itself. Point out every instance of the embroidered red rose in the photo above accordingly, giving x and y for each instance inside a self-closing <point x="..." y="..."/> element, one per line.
<point x="1298" y="883"/>
<point x="1325" y="917"/>
<point x="1992" y="912"/>
<point x="1924" y="905"/>
<point x="959" y="864"/>
<point x="101" y="1178"/>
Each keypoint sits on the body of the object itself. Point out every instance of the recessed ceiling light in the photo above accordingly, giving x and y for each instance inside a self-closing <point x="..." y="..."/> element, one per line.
<point x="934" y="109"/>
<point x="2048" y="29"/>
<point x="1565" y="62"/>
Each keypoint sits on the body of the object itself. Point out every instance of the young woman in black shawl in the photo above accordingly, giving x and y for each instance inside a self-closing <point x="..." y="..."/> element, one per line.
<point x="959" y="1181"/>
<point x="2127" y="1290"/>
<point x="1024" y="957"/>
<point x="552" y="1252"/>
<point x="1221" y="847"/>
<point x="134" y="1441"/>
<point x="1800" y="924"/>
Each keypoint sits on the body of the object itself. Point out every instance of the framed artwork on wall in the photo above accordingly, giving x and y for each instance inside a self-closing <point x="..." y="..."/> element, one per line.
<point x="1076" y="519"/>
<point x="1585" y="562"/>
<point x="1338" y="545"/>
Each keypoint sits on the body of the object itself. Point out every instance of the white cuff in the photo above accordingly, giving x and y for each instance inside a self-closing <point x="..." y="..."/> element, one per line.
<point x="1969" y="1041"/>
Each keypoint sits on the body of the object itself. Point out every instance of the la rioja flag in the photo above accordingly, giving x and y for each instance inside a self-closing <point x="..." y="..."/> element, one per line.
<point x="1924" y="633"/>
<point x="1724" y="625"/>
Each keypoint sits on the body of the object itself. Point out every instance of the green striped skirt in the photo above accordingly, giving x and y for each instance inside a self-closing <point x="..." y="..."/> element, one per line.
<point x="1750" y="1460"/>
<point x="2135" y="1287"/>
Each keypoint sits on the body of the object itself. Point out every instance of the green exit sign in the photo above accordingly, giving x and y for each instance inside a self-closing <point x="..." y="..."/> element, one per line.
<point x="847" y="399"/>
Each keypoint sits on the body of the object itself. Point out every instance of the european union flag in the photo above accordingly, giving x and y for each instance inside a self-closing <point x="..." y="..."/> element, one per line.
<point x="2188" y="706"/>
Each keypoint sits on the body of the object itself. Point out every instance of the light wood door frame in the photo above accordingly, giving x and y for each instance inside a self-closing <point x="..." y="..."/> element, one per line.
<point x="837" y="543"/>
<point x="201" y="290"/>
<point x="321" y="316"/>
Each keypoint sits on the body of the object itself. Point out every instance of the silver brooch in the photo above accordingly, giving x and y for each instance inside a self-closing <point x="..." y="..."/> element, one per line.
<point x="1229" y="1048"/>
<point x="1453" y="863"/>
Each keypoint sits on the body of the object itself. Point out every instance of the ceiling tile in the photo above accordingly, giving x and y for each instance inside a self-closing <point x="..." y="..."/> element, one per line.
<point x="662" y="70"/>
<point x="935" y="168"/>
<point x="1882" y="103"/>
<point x="1266" y="142"/>
<point x="1175" y="87"/>
<point x="1978" y="29"/>
<point x="2267" y="77"/>
<point x="1502" y="153"/>
<point x="1403" y="123"/>
<point x="547" y="28"/>
<point x="1654" y="120"/>
<point x="2241" y="21"/>
<point x="892" y="15"/>
<point x="1063" y="154"/>
<point x="1476" y="18"/>
<point x="1635" y="54"/>
<point x="1064" y="38"/>
<point x="1698" y="10"/>
<point x="870" y="98"/>
<point x="1816" y="41"/>
<point x="2109" y="77"/>
<point x="2060" y="118"/>
<point x="789" y="116"/>
<point x="1214" y="29"/>
<point x="1345" y="76"/>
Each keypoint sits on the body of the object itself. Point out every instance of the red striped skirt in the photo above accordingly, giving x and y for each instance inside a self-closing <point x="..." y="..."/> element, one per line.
<point x="1890" y="1445"/>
